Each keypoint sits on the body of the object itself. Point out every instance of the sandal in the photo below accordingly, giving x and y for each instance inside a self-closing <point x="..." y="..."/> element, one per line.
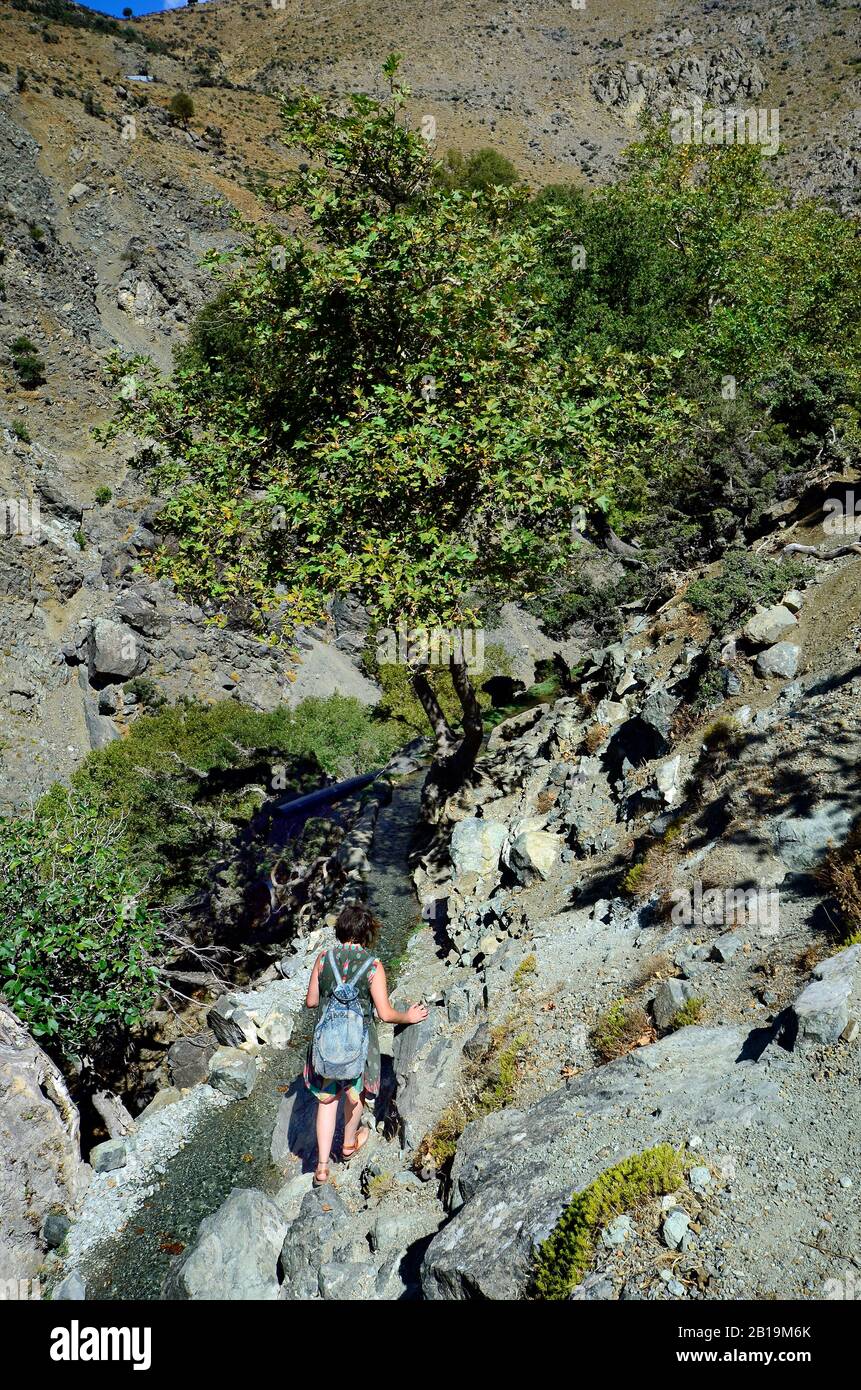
<point x="317" y="1181"/>
<point x="348" y="1153"/>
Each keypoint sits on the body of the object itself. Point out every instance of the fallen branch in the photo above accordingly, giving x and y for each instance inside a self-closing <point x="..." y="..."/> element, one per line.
<point x="816" y="554"/>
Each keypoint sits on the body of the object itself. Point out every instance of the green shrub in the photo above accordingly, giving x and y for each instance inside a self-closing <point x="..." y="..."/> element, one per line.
<point x="728" y="598"/>
<point x="181" y="107"/>
<point x="690" y="1012"/>
<point x="475" y="173"/>
<point x="78" y="945"/>
<point x="524" y="971"/>
<point x="103" y="495"/>
<point x="618" y="1029"/>
<point x="21" y="432"/>
<point x="179" y="783"/>
<point x="27" y="363"/>
<point x="564" y="1258"/>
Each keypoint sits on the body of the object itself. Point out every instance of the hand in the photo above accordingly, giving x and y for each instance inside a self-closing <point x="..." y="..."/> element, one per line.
<point x="416" y="1013"/>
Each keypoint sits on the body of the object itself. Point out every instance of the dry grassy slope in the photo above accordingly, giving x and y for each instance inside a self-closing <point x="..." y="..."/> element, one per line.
<point x="519" y="74"/>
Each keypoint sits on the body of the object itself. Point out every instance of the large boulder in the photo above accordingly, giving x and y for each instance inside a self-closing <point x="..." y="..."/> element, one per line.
<point x="235" y="1255"/>
<point x="233" y="1072"/>
<point x="114" y="651"/>
<point x="780" y="660"/>
<point x="41" y="1172"/>
<point x="426" y="1059"/>
<point x="533" y="854"/>
<point x="476" y="846"/>
<point x="821" y="1011"/>
<point x="769" y="625"/>
<point x="515" y="1170"/>
<point x="322" y="1227"/>
<point x="801" y="841"/>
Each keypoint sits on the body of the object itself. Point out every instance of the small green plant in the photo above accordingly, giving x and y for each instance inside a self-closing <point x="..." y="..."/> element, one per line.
<point x="563" y="1259"/>
<point x="21" y="432"/>
<point x="146" y="692"/>
<point x="26" y="362"/>
<point x="380" y="1185"/>
<point x="525" y="970"/>
<point x="81" y="538"/>
<point x="620" y="1029"/>
<point x="489" y="1084"/>
<point x="103" y="495"/>
<point x="690" y="1012"/>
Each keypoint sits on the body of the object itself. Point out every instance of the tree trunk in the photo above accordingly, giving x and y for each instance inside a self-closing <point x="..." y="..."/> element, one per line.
<point x="455" y="754"/>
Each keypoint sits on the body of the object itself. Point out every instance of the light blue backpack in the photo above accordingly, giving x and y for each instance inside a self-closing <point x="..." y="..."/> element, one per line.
<point x="340" y="1046"/>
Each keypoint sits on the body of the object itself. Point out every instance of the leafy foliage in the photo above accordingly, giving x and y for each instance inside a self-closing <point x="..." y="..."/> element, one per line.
<point x="78" y="944"/>
<point x="187" y="777"/>
<point x="745" y="580"/>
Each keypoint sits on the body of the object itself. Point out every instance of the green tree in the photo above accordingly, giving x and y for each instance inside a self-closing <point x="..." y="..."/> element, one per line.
<point x="181" y="108"/>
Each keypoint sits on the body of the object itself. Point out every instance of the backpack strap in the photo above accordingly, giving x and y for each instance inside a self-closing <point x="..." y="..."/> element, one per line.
<point x="369" y="960"/>
<point x="335" y="971"/>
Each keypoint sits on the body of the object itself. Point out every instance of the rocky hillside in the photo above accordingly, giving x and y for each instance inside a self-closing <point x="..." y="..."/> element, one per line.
<point x="640" y="918"/>
<point x="109" y="205"/>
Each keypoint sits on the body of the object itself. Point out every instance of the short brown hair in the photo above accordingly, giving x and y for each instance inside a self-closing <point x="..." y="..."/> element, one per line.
<point x="357" y="923"/>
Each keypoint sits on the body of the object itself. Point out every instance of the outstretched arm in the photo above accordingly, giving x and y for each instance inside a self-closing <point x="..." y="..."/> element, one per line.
<point x="380" y="995"/>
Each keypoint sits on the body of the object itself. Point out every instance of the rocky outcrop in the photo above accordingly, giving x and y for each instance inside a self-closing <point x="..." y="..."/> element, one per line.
<point x="235" y="1255"/>
<point x="41" y="1172"/>
<point x="515" y="1170"/>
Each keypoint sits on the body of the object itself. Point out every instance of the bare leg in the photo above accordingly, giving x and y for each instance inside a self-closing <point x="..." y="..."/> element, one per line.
<point x="352" y="1117"/>
<point x="327" y="1118"/>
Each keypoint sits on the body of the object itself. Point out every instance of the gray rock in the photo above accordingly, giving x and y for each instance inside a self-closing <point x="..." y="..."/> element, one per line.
<point x="821" y="1011"/>
<point x="322" y="1226"/>
<point x="347" y="1282"/>
<point x="476" y="846"/>
<point x="230" y="1023"/>
<point x="188" y="1059"/>
<point x="727" y="946"/>
<point x="533" y="854"/>
<point x="769" y="625"/>
<point x="235" y="1254"/>
<point x="40" y="1160"/>
<point x="700" y="1178"/>
<point x="514" y="1172"/>
<point x="55" y="1228"/>
<point x="397" y="1229"/>
<point x="802" y="840"/>
<point x="113" y="650"/>
<point x="427" y="1066"/>
<point x="779" y="660"/>
<point x="113" y="1153"/>
<point x="72" y="1289"/>
<point x="670" y="996"/>
<point x="233" y="1072"/>
<point x="674" y="1231"/>
<point x="617" y="1232"/>
<point x="457" y="1006"/>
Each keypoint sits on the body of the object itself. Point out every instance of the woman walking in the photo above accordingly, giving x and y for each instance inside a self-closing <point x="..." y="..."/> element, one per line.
<point x="351" y="963"/>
